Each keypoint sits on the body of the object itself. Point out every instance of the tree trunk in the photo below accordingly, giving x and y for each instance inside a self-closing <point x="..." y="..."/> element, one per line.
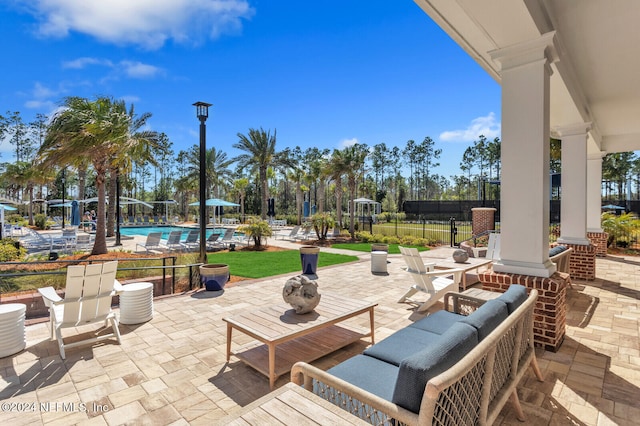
<point x="321" y="196"/>
<point x="100" y="244"/>
<point x="111" y="207"/>
<point x="339" y="203"/>
<point x="265" y="193"/>
<point x="299" y="196"/>
<point x="352" y="210"/>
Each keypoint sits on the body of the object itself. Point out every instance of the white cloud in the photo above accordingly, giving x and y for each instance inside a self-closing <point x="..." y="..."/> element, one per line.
<point x="131" y="69"/>
<point x="81" y="63"/>
<point x="138" y="69"/>
<point x="147" y="23"/>
<point x="41" y="97"/>
<point x="348" y="142"/>
<point x="486" y="126"/>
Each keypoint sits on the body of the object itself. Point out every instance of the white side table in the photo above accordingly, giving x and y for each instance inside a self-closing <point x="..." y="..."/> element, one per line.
<point x="378" y="262"/>
<point x="12" y="338"/>
<point x="136" y="303"/>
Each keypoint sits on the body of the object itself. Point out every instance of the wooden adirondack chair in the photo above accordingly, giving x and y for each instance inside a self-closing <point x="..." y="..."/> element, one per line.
<point x="87" y="300"/>
<point x="434" y="283"/>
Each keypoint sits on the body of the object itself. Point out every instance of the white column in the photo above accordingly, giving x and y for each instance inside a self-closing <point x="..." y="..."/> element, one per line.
<point x="573" y="208"/>
<point x="524" y="204"/>
<point x="594" y="192"/>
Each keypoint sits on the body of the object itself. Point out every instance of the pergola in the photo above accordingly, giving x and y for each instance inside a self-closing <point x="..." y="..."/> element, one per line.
<point x="568" y="69"/>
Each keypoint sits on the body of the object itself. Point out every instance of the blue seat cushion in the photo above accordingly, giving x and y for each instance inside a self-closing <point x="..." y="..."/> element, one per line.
<point x="401" y="344"/>
<point x="556" y="250"/>
<point x="370" y="374"/>
<point x="419" y="368"/>
<point x="487" y="317"/>
<point x="438" y="322"/>
<point x="515" y="295"/>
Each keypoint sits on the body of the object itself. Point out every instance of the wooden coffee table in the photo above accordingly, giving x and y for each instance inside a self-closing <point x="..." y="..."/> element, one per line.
<point x="468" y="266"/>
<point x="285" y="337"/>
<point x="291" y="405"/>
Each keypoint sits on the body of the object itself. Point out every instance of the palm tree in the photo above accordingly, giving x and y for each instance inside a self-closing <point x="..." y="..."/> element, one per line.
<point x="260" y="149"/>
<point x="216" y="168"/>
<point x="353" y="157"/>
<point x="240" y="187"/>
<point x="99" y="130"/>
<point x="136" y="145"/>
<point x="337" y="169"/>
<point x="24" y="175"/>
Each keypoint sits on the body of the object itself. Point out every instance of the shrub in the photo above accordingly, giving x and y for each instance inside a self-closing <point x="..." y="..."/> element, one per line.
<point x="365" y="237"/>
<point x="256" y="229"/>
<point x="40" y="221"/>
<point x="10" y="250"/>
<point x="321" y="223"/>
<point x="391" y="239"/>
<point x="15" y="219"/>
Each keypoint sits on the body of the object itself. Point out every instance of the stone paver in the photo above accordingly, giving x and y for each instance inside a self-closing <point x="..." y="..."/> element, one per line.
<point x="172" y="369"/>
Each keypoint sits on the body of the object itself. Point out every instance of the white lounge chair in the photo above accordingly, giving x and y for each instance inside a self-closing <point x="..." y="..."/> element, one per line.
<point x="173" y="241"/>
<point x="192" y="241"/>
<point x="230" y="238"/>
<point x="87" y="300"/>
<point x="152" y="243"/>
<point x="434" y="283"/>
<point x="291" y="235"/>
<point x="212" y="241"/>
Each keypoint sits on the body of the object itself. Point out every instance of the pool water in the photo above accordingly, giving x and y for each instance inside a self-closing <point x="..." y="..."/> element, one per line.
<point x="145" y="230"/>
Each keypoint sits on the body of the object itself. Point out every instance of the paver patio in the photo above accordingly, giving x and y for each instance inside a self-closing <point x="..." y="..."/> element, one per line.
<point x="172" y="369"/>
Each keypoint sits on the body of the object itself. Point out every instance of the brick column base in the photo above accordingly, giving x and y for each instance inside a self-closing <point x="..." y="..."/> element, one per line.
<point x="482" y="219"/>
<point x="599" y="239"/>
<point x="582" y="264"/>
<point x="550" y="312"/>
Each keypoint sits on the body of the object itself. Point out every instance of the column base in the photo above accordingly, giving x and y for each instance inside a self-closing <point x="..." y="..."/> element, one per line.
<point x="545" y="270"/>
<point x="550" y="312"/>
<point x="582" y="264"/>
<point x="599" y="239"/>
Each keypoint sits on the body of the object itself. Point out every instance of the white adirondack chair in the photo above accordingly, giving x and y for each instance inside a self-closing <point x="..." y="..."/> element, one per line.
<point x="434" y="283"/>
<point x="493" y="246"/>
<point x="87" y="300"/>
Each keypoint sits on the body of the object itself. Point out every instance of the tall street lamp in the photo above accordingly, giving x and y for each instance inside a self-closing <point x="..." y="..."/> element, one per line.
<point x="202" y="112"/>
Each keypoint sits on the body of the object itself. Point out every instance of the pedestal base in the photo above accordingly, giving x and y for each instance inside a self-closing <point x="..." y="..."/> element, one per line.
<point x="549" y="317"/>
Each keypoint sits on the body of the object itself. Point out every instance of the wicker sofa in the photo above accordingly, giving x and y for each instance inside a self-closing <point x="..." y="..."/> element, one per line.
<point x="447" y="368"/>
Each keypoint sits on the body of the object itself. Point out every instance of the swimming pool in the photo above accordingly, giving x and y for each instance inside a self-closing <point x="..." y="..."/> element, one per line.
<point x="145" y="230"/>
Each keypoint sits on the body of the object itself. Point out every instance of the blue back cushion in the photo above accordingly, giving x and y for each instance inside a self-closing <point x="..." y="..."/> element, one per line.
<point x="401" y="344"/>
<point x="556" y="250"/>
<point x="515" y="295"/>
<point x="370" y="374"/>
<point x="438" y="322"/>
<point x="417" y="369"/>
<point x="487" y="317"/>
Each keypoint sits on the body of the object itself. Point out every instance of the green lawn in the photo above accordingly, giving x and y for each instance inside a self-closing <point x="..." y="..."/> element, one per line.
<point x="393" y="248"/>
<point x="257" y="264"/>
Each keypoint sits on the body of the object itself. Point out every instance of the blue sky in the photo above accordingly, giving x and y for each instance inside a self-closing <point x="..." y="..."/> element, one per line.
<point x="323" y="74"/>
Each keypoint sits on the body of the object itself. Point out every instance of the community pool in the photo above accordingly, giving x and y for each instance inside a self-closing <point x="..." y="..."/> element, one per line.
<point x="145" y="230"/>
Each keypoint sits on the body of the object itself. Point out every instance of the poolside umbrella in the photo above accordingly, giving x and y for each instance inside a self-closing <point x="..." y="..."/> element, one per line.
<point x="215" y="202"/>
<point x="75" y="213"/>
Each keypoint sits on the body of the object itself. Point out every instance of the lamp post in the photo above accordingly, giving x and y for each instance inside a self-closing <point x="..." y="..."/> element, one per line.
<point x="63" y="191"/>
<point x="202" y="112"/>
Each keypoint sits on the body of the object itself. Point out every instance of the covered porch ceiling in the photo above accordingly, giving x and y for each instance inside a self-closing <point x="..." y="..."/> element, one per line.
<point x="597" y="76"/>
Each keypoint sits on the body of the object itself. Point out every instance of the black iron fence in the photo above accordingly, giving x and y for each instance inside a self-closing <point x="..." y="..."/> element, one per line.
<point x="169" y="272"/>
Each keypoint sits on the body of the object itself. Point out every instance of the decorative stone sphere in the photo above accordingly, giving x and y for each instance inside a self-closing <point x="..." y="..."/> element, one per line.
<point x="301" y="293"/>
<point x="460" y="256"/>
